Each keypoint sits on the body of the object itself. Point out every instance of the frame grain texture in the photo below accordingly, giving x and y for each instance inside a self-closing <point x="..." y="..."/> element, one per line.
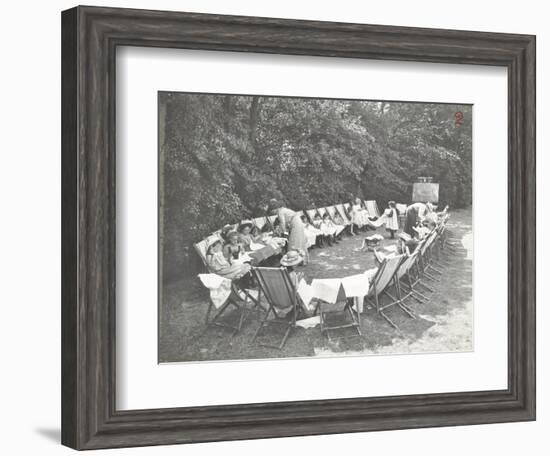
<point x="90" y="36"/>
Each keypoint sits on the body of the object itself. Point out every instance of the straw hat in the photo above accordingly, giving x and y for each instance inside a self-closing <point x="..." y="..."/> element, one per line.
<point x="232" y="234"/>
<point x="292" y="258"/>
<point x="226" y="229"/>
<point x="245" y="223"/>
<point x="213" y="242"/>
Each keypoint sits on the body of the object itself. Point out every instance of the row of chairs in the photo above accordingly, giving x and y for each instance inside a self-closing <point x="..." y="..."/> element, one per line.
<point x="342" y="209"/>
<point x="397" y="279"/>
<point x="201" y="247"/>
<point x="412" y="272"/>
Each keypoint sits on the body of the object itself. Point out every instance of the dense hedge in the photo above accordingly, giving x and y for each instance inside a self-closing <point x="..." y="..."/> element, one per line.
<point x="223" y="157"/>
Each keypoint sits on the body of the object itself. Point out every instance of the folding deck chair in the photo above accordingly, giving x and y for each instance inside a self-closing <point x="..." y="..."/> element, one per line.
<point x="408" y="276"/>
<point x="405" y="272"/>
<point x="259" y="222"/>
<point x="372" y="208"/>
<point x="322" y="211"/>
<point x="239" y="297"/>
<point x="353" y="320"/>
<point x="271" y="220"/>
<point x="201" y="247"/>
<point x="232" y="301"/>
<point x="332" y="211"/>
<point x="446" y="245"/>
<point x="311" y="213"/>
<point x="347" y="207"/>
<point x="426" y="257"/>
<point x="383" y="280"/>
<point x="343" y="213"/>
<point x="281" y="295"/>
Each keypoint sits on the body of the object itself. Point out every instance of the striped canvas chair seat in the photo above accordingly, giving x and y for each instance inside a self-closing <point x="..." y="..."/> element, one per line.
<point x="259" y="222"/>
<point x="372" y="208"/>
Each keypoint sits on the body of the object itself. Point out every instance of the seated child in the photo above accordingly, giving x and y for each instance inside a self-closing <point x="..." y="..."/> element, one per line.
<point x="332" y="232"/>
<point x="225" y="231"/>
<point x="359" y="216"/>
<point x="234" y="250"/>
<point x="218" y="263"/>
<point x="317" y="221"/>
<point x="248" y="239"/>
<point x="340" y="222"/>
<point x="313" y="235"/>
<point x="325" y="237"/>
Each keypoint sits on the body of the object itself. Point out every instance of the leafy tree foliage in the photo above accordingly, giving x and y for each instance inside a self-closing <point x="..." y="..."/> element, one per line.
<point x="224" y="156"/>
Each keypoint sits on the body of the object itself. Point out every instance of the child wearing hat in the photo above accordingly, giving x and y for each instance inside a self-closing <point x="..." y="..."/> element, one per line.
<point x="246" y="236"/>
<point x="290" y="260"/>
<point x="233" y="249"/>
<point x="218" y="263"/>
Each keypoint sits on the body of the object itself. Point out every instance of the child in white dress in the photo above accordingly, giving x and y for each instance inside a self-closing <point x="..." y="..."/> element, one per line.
<point x="313" y="235"/>
<point x="330" y="230"/>
<point x="359" y="216"/>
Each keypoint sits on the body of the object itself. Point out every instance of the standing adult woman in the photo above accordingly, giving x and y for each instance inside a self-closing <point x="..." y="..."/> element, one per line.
<point x="290" y="222"/>
<point x="415" y="214"/>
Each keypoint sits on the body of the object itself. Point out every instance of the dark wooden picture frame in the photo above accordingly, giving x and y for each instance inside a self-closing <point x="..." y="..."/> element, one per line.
<point x="90" y="36"/>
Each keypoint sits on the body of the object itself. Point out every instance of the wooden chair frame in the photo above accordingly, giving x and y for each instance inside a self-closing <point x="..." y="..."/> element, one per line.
<point x="343" y="213"/>
<point x="311" y="213"/>
<point x="257" y="221"/>
<point x="376" y="291"/>
<point x="355" y="319"/>
<point x="231" y="301"/>
<point x="272" y="307"/>
<point x="235" y="295"/>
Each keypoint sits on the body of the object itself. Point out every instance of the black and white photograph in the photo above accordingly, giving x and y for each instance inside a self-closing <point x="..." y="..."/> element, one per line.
<point x="293" y="227"/>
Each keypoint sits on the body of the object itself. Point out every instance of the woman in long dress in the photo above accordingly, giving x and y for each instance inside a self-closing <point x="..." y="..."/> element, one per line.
<point x="416" y="212"/>
<point x="292" y="223"/>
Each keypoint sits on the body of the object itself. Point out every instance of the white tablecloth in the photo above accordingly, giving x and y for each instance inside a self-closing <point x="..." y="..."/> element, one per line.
<point x="336" y="290"/>
<point x="220" y="288"/>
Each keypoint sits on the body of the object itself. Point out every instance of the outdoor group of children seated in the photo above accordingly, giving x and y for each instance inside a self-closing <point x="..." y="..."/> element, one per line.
<point x="323" y="230"/>
<point x="228" y="255"/>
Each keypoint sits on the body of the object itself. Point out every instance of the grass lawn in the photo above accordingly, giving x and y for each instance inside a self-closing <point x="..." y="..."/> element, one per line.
<point x="443" y="324"/>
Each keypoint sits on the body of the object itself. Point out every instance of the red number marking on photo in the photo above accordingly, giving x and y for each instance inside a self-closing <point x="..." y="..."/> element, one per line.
<point x="459" y="118"/>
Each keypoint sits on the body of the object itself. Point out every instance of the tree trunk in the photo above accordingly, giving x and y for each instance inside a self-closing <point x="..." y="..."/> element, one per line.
<point x="254" y="115"/>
